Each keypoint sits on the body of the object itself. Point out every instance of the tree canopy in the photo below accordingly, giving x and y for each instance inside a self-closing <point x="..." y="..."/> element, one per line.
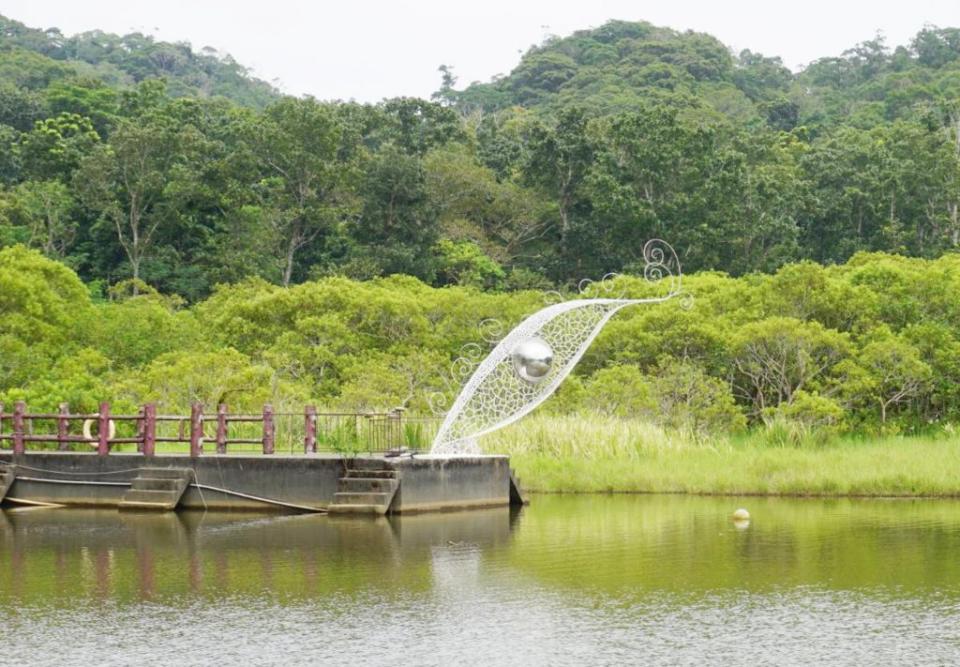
<point x="134" y="159"/>
<point x="165" y="216"/>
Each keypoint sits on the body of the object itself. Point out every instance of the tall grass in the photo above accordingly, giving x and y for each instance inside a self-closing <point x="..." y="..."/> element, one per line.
<point x="595" y="454"/>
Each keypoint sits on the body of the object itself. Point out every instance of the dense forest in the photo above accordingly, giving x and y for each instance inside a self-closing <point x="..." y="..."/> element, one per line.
<point x="128" y="158"/>
<point x="871" y="345"/>
<point x="173" y="229"/>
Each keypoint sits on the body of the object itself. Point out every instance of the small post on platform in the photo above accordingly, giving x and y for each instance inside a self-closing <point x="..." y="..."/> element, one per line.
<point x="63" y="425"/>
<point x="1" y="417"/>
<point x="310" y="430"/>
<point x="196" y="429"/>
<point x="221" y="429"/>
<point x="149" y="429"/>
<point x="19" y="408"/>
<point x="268" y="429"/>
<point x="396" y="430"/>
<point x="140" y="419"/>
<point x="103" y="435"/>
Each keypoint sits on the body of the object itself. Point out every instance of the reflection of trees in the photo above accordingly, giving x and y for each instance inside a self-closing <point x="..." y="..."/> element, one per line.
<point x="59" y="556"/>
<point x="611" y="544"/>
<point x="677" y="543"/>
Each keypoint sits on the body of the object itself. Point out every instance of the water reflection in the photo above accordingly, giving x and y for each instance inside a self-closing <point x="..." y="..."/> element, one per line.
<point x="50" y="554"/>
<point x="690" y="544"/>
<point x="569" y="580"/>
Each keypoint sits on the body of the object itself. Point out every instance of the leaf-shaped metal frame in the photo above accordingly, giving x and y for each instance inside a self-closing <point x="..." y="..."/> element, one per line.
<point x="495" y="395"/>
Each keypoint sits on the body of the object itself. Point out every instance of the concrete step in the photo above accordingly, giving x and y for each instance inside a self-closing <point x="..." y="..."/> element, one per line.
<point x="369" y="474"/>
<point x="135" y="505"/>
<point x="366" y="485"/>
<point x="344" y="498"/>
<point x="156" y="499"/>
<point x="368" y="464"/>
<point x="155" y="484"/>
<point x="157" y="489"/>
<point x="376" y="510"/>
<point x="166" y="473"/>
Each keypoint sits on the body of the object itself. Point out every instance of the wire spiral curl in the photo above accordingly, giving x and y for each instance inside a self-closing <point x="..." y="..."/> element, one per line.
<point x="463" y="367"/>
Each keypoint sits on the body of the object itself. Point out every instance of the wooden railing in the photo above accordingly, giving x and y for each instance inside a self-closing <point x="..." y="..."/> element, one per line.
<point x="339" y="432"/>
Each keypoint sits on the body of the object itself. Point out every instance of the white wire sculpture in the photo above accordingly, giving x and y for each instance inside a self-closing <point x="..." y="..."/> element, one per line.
<point x="531" y="361"/>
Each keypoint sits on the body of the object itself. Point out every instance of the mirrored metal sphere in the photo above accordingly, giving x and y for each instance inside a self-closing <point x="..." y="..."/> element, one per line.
<point x="532" y="359"/>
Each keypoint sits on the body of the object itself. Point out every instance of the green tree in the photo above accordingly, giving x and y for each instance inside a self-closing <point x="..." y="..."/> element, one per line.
<point x="80" y="379"/>
<point x="776" y="357"/>
<point x="303" y="191"/>
<point x="131" y="332"/>
<point x="415" y="126"/>
<point x="10" y="163"/>
<point x="46" y="210"/>
<point x="559" y="161"/>
<point x="178" y="379"/>
<point x="887" y="372"/>
<point x="621" y="391"/>
<point x="397" y="226"/>
<point x="54" y="148"/>
<point x="45" y="310"/>
<point x="690" y="400"/>
<point x="464" y="263"/>
<point x="90" y="98"/>
<point x="42" y="300"/>
<point x="381" y="382"/>
<point x="20" y="108"/>
<point x="138" y="183"/>
<point x="506" y="220"/>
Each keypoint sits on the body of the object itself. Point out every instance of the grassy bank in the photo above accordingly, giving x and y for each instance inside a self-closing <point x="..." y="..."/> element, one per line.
<point x="576" y="454"/>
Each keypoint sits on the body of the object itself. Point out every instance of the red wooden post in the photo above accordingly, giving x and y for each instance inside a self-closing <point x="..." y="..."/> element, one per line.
<point x="310" y="430"/>
<point x="196" y="429"/>
<point x="18" y="409"/>
<point x="103" y="435"/>
<point x="63" y="425"/>
<point x="149" y="429"/>
<point x="140" y="420"/>
<point x="221" y="429"/>
<point x="268" y="429"/>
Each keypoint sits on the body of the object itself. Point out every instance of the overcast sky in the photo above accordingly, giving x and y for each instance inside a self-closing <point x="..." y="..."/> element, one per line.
<point x="368" y="50"/>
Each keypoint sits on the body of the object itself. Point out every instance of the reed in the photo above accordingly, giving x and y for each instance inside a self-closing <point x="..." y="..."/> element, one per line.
<point x="594" y="454"/>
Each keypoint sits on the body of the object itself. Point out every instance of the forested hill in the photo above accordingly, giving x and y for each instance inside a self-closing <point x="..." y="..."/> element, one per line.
<point x="128" y="158"/>
<point x="36" y="60"/>
<point x="624" y="66"/>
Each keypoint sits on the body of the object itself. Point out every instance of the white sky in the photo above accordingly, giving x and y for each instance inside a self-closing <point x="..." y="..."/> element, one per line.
<point x="371" y="49"/>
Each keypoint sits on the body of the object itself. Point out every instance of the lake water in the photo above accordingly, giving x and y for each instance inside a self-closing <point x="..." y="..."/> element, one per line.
<point x="569" y="580"/>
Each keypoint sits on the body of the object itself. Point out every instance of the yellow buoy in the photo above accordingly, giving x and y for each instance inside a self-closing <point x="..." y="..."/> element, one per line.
<point x="741" y="515"/>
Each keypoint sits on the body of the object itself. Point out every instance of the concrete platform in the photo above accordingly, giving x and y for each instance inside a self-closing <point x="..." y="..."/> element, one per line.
<point x="278" y="483"/>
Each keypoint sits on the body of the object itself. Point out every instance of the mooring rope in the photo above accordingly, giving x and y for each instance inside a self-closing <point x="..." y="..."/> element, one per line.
<point x="34" y="504"/>
<point x="199" y="490"/>
<point x="271" y="501"/>
<point x="64" y="472"/>
<point x="23" y="478"/>
<point x="197" y="485"/>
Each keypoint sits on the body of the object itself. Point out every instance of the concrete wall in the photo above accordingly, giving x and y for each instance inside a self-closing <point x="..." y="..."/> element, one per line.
<point x="306" y="482"/>
<point x="439" y="483"/>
